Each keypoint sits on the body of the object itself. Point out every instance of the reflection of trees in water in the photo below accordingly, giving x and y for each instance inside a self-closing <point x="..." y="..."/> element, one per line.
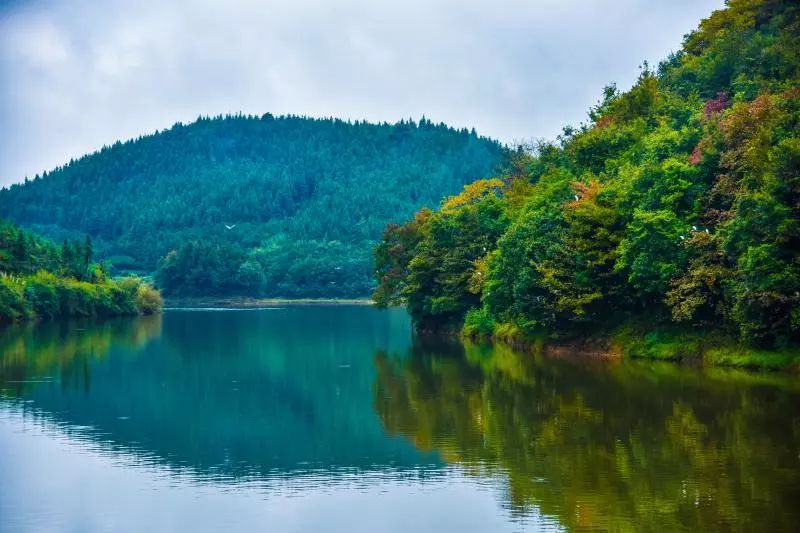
<point x="234" y="395"/>
<point x="609" y="446"/>
<point x="32" y="353"/>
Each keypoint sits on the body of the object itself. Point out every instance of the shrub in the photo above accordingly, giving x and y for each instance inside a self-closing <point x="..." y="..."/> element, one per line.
<point x="78" y="298"/>
<point x="41" y="291"/>
<point x="478" y="323"/>
<point x="12" y="302"/>
<point x="148" y="300"/>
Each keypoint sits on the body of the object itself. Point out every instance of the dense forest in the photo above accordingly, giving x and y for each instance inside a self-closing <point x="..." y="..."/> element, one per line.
<point x="677" y="204"/>
<point x="41" y="280"/>
<point x="257" y="206"/>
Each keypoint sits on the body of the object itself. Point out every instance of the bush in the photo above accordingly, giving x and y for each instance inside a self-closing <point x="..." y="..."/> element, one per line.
<point x="12" y="302"/>
<point x="148" y="300"/>
<point x="41" y="291"/>
<point x="143" y="298"/>
<point x="77" y="298"/>
<point x="478" y="323"/>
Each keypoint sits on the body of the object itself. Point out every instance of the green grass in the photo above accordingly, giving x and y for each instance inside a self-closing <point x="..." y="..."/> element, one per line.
<point x="712" y="348"/>
<point x="642" y="340"/>
<point x="748" y="357"/>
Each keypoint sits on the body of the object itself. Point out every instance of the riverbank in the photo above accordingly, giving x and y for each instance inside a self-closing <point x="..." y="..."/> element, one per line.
<point x="45" y="295"/>
<point x="248" y="303"/>
<point x="631" y="341"/>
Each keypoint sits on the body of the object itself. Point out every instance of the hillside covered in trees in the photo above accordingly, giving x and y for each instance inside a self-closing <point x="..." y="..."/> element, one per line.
<point x="256" y="206"/>
<point x="41" y="280"/>
<point x="677" y="204"/>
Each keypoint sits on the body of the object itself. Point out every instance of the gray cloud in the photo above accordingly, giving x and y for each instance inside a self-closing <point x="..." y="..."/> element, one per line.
<point x="76" y="75"/>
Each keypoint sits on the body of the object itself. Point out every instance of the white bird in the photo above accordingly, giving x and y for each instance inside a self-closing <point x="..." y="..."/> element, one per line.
<point x="682" y="237"/>
<point x="694" y="228"/>
<point x="708" y="231"/>
<point x="230" y="227"/>
<point x="577" y="197"/>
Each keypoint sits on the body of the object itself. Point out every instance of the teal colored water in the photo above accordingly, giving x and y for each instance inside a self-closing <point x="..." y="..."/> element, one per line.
<point x="336" y="418"/>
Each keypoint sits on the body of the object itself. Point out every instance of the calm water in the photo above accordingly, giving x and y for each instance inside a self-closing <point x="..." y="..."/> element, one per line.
<point x="337" y="419"/>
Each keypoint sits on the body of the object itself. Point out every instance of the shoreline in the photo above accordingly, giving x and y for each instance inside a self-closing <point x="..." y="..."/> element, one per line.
<point x="179" y="303"/>
<point x="715" y="352"/>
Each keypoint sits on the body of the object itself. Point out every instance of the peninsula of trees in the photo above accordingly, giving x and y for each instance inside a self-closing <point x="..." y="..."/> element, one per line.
<point x="675" y="209"/>
<point x="41" y="280"/>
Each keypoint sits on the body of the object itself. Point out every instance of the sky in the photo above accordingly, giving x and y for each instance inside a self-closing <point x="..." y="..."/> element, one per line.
<point x="78" y="75"/>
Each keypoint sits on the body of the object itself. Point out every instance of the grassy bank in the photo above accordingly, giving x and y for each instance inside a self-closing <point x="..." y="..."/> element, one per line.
<point x="640" y="340"/>
<point x="45" y="295"/>
<point x="711" y="348"/>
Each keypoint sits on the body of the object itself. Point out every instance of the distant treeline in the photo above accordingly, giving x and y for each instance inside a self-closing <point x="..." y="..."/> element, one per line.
<point x="677" y="203"/>
<point x="257" y="206"/>
<point x="41" y="280"/>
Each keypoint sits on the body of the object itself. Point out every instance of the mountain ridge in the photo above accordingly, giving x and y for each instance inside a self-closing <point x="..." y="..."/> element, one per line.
<point x="292" y="188"/>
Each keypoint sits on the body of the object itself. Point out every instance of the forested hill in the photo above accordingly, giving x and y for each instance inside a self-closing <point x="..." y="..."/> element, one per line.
<point x="678" y="201"/>
<point x="256" y="206"/>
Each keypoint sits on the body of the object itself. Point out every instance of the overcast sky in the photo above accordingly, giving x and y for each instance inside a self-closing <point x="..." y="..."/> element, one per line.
<point x="76" y="75"/>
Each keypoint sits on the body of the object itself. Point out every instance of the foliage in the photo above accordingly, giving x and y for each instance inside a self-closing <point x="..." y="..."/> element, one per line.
<point x="680" y="199"/>
<point x="12" y="300"/>
<point x="478" y="323"/>
<point x="439" y="283"/>
<point x="637" y="338"/>
<point x="305" y="200"/>
<point x="392" y="257"/>
<point x="71" y="285"/>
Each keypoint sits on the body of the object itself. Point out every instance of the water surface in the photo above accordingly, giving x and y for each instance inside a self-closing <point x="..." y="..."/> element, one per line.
<point x="338" y="419"/>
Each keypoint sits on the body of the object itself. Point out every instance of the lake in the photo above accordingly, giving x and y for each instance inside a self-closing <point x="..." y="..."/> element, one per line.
<point x="337" y="418"/>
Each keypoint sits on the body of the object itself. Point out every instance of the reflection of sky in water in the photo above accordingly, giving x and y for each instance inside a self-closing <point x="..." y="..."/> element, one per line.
<point x="59" y="477"/>
<point x="210" y="421"/>
<point x="27" y="419"/>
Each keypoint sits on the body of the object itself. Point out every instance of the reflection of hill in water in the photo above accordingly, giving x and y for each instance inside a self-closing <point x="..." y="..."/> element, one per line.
<point x="608" y="446"/>
<point x="248" y="393"/>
